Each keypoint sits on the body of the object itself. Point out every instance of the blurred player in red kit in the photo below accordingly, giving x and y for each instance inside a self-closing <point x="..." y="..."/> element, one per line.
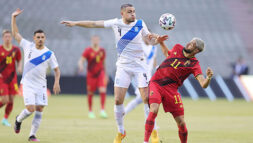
<point x="9" y="56"/>
<point x="163" y="86"/>
<point x="96" y="77"/>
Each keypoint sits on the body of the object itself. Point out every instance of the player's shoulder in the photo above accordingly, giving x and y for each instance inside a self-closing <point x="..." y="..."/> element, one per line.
<point x="178" y="47"/>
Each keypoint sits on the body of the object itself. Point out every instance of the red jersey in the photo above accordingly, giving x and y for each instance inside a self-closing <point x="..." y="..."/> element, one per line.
<point x="176" y="68"/>
<point x="95" y="61"/>
<point x="8" y="63"/>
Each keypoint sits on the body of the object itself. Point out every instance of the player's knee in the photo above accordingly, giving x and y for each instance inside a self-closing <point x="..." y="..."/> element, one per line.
<point x="30" y="108"/>
<point x="181" y="123"/>
<point x="118" y="101"/>
<point x="154" y="110"/>
<point x="5" y="100"/>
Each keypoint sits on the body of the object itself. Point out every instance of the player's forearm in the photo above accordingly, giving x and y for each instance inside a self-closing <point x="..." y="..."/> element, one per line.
<point x="57" y="75"/>
<point x="90" y="24"/>
<point x="164" y="48"/>
<point x="206" y="82"/>
<point x="14" y="27"/>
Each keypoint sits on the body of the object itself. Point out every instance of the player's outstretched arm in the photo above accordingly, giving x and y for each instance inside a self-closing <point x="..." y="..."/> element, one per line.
<point x="204" y="82"/>
<point x="14" y="27"/>
<point x="164" y="48"/>
<point x="86" y="24"/>
<point x="57" y="75"/>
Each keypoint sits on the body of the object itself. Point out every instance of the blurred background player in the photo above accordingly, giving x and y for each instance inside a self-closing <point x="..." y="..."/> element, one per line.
<point x="150" y="52"/>
<point x="130" y="64"/>
<point x="37" y="58"/>
<point x="180" y="62"/>
<point x="9" y="56"/>
<point x="96" y="77"/>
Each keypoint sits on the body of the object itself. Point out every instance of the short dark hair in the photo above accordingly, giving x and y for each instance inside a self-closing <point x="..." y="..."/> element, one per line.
<point x="38" y="31"/>
<point x="124" y="6"/>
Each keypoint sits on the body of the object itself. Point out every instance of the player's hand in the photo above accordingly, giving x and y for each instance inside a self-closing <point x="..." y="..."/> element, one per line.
<point x="17" y="12"/>
<point x="209" y="73"/>
<point x="68" y="23"/>
<point x="160" y="39"/>
<point x="56" y="88"/>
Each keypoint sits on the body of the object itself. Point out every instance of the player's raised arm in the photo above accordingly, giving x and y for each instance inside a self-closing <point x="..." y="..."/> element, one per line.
<point x="57" y="75"/>
<point x="204" y="82"/>
<point x="165" y="50"/>
<point x="86" y="24"/>
<point x="14" y="27"/>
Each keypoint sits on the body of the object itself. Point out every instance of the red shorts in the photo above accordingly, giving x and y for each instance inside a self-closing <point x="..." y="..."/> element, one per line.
<point x="167" y="95"/>
<point x="8" y="89"/>
<point x="96" y="82"/>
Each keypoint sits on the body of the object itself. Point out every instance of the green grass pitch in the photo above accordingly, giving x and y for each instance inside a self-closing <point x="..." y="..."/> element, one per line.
<point x="65" y="121"/>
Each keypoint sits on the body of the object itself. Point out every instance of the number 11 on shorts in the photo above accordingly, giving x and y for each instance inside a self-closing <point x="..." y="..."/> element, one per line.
<point x="177" y="99"/>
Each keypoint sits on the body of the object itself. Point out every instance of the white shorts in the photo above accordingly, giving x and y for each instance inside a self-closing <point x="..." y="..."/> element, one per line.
<point x="124" y="77"/>
<point x="35" y="96"/>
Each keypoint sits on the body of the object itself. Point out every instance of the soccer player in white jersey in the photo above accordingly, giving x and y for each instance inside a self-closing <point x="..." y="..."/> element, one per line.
<point x="150" y="52"/>
<point x="130" y="64"/>
<point x="37" y="58"/>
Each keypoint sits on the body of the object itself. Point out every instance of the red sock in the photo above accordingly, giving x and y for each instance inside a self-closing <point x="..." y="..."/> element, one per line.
<point x="90" y="101"/>
<point x="1" y="104"/>
<point x="102" y="99"/>
<point x="8" y="109"/>
<point x="149" y="125"/>
<point x="183" y="133"/>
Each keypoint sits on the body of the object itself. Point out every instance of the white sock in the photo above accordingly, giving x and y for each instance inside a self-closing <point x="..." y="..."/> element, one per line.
<point x="119" y="114"/>
<point x="36" y="123"/>
<point x="23" y="115"/>
<point x="146" y="111"/>
<point x="132" y="104"/>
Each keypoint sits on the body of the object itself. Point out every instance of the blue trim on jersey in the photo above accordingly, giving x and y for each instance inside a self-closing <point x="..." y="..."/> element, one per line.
<point x="35" y="62"/>
<point x="151" y="54"/>
<point x="41" y="58"/>
<point x="129" y="36"/>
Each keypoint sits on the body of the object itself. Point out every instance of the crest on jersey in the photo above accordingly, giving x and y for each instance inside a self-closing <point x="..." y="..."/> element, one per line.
<point x="136" y="29"/>
<point x="92" y="54"/>
<point x="13" y="54"/>
<point x="43" y="57"/>
<point x="175" y="53"/>
<point x="187" y="63"/>
<point x="2" y="53"/>
<point x="151" y="93"/>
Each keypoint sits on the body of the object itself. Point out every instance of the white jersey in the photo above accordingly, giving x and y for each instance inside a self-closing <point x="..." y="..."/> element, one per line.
<point x="150" y="52"/>
<point x="129" y="41"/>
<point x="36" y="63"/>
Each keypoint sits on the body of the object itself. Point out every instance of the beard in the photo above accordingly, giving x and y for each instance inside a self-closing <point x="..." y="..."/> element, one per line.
<point x="188" y="51"/>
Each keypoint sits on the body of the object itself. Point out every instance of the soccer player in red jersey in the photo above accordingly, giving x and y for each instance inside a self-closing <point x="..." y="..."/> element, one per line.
<point x="96" y="77"/>
<point x="179" y="64"/>
<point x="9" y="55"/>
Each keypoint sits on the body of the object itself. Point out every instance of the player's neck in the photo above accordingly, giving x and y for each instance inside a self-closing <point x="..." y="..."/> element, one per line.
<point x="187" y="55"/>
<point x="126" y="22"/>
<point x="39" y="47"/>
<point x="95" y="48"/>
<point x="7" y="47"/>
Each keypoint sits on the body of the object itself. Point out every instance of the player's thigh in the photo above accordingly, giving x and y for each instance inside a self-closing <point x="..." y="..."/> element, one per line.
<point x="29" y="95"/>
<point x="144" y="94"/>
<point x="13" y="88"/>
<point x="41" y="98"/>
<point x="141" y="79"/>
<point x="119" y="95"/>
<point x="172" y="102"/>
<point x="91" y="84"/>
<point x="154" y="93"/>
<point x="122" y="78"/>
<point x="102" y="83"/>
<point x="180" y="120"/>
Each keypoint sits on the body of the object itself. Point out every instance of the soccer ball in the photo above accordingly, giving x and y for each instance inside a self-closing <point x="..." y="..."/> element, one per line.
<point x="167" y="21"/>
